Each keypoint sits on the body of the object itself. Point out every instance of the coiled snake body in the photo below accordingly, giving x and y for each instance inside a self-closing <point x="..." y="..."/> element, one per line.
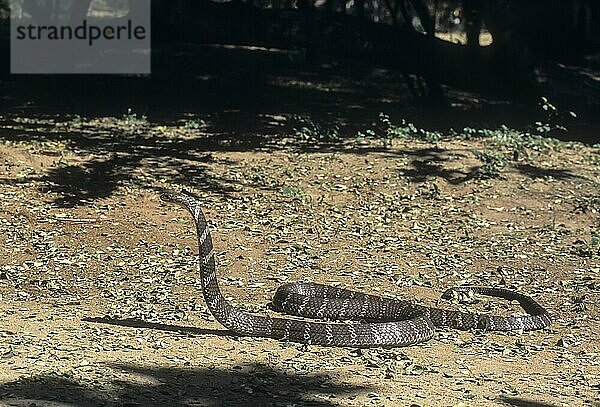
<point x="382" y="321"/>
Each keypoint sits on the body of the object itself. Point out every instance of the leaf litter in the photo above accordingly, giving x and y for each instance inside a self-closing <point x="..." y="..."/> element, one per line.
<point x="113" y="279"/>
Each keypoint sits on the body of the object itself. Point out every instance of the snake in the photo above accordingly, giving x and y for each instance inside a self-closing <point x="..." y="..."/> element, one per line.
<point x="346" y="318"/>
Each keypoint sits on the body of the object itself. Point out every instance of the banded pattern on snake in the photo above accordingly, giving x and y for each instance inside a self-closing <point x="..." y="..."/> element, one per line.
<point x="382" y="322"/>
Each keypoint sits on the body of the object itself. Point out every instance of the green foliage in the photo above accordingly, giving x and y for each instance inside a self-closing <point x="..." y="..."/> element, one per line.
<point x="591" y="249"/>
<point x="549" y="107"/>
<point x="132" y="118"/>
<point x="552" y="110"/>
<point x="405" y="130"/>
<point x="296" y="193"/>
<point x="387" y="131"/>
<point x="493" y="163"/>
<point x="588" y="204"/>
<point x="194" y="124"/>
<point x="517" y="143"/>
<point x="595" y="241"/>
<point x="77" y="120"/>
<point x="522" y="143"/>
<point x="552" y="121"/>
<point x="594" y="158"/>
<point x="308" y="130"/>
<point x="507" y="145"/>
<point x="504" y="145"/>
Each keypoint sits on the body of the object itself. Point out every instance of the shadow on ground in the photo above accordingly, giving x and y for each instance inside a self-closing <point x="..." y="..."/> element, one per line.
<point x="137" y="323"/>
<point x="251" y="385"/>
<point x="521" y="402"/>
<point x="240" y="101"/>
<point x="430" y="162"/>
<point x="112" y="157"/>
<point x="534" y="172"/>
<point x="119" y="152"/>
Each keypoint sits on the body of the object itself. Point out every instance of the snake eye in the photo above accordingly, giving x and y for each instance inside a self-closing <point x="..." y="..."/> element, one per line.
<point x="169" y="197"/>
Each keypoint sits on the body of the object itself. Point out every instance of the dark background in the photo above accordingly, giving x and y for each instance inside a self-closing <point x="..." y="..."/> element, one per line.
<point x="339" y="62"/>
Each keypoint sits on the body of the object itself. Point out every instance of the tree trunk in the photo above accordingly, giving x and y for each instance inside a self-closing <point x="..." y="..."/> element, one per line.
<point x="515" y="66"/>
<point x="430" y="69"/>
<point x="472" y="12"/>
<point x="359" y="5"/>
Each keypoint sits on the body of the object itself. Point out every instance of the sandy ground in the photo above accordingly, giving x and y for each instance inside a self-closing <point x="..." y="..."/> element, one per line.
<point x="101" y="304"/>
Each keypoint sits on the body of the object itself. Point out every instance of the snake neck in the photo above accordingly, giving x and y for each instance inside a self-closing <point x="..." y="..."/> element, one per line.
<point x="216" y="302"/>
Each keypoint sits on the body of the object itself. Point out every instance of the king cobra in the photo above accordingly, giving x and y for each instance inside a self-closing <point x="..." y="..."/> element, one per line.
<point x="378" y="321"/>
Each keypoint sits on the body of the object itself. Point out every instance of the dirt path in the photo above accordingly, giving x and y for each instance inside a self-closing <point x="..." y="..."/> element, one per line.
<point x="101" y="304"/>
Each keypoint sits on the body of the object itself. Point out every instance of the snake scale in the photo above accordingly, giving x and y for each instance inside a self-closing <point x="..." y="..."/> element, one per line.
<point x="381" y="322"/>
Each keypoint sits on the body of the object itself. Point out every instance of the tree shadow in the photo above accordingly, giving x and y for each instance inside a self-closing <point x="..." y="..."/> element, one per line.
<point x="521" y="402"/>
<point x="534" y="172"/>
<point x="249" y="97"/>
<point x="131" y="385"/>
<point x="121" y="156"/>
<point x="429" y="162"/>
<point x="137" y="323"/>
